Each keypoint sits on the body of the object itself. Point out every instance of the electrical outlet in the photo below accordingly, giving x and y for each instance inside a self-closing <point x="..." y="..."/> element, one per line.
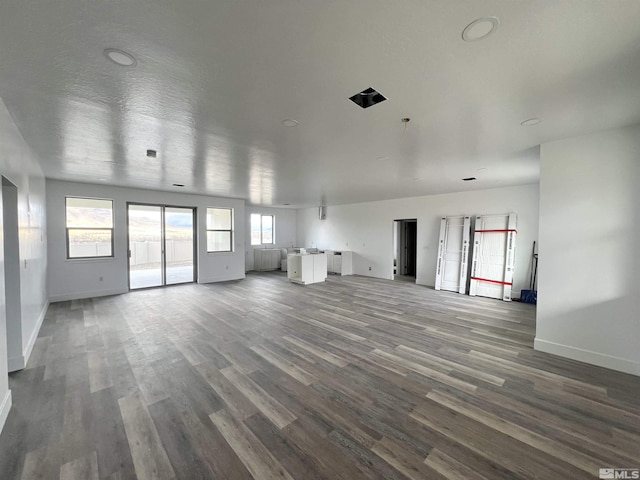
<point x="369" y="268"/>
<point x="100" y="279"/>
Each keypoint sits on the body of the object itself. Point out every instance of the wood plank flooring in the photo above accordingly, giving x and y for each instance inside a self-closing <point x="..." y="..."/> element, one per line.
<point x="355" y="378"/>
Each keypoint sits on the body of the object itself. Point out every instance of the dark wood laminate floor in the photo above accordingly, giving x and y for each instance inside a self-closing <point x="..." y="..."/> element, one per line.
<point x="352" y="379"/>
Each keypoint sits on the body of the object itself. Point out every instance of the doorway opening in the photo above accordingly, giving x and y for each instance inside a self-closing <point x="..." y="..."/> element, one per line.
<point x="405" y="244"/>
<point x="161" y="245"/>
<point x="11" y="252"/>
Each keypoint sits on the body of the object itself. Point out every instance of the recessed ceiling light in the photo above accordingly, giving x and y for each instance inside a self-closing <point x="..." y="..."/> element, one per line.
<point x="120" y="57"/>
<point x="367" y="98"/>
<point x="469" y="179"/>
<point x="483" y="169"/>
<point x="287" y="122"/>
<point x="152" y="153"/>
<point x="531" y="122"/>
<point x="480" y="28"/>
<point x="178" y="184"/>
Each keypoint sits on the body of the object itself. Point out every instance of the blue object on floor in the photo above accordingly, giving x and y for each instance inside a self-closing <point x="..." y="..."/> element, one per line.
<point x="529" y="296"/>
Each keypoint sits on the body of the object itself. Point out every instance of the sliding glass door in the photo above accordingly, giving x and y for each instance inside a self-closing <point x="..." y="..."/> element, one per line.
<point x="161" y="245"/>
<point x="178" y="236"/>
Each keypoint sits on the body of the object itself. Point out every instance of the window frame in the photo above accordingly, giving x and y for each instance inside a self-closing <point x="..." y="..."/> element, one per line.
<point x="111" y="230"/>
<point x="230" y="230"/>
<point x="273" y="229"/>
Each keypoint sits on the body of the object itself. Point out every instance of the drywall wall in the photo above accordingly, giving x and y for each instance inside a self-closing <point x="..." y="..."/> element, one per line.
<point x="589" y="284"/>
<point x="367" y="228"/>
<point x="285" y="229"/>
<point x="12" y="269"/>
<point x="20" y="167"/>
<point x="80" y="278"/>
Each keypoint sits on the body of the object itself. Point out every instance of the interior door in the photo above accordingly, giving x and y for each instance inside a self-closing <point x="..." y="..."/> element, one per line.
<point x="453" y="251"/>
<point x="493" y="256"/>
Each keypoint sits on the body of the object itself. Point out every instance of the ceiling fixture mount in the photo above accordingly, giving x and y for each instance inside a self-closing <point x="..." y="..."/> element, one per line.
<point x="404" y="120"/>
<point x="469" y="179"/>
<point x="152" y="153"/>
<point x="288" y="122"/>
<point x="120" y="57"/>
<point x="178" y="184"/>
<point x="367" y="98"/>
<point x="531" y="122"/>
<point x="480" y="28"/>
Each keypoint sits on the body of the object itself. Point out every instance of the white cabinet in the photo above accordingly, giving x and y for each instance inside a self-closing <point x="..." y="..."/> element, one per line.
<point x="340" y="262"/>
<point x="307" y="268"/>
<point x="266" y="259"/>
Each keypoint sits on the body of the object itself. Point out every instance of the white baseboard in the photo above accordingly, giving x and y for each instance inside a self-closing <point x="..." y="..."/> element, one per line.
<point x="18" y="363"/>
<point x="4" y="409"/>
<point x="588" y="356"/>
<point x="227" y="278"/>
<point x="34" y="334"/>
<point x="83" y="295"/>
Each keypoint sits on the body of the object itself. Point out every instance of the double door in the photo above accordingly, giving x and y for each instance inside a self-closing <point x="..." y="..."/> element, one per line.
<point x="161" y="245"/>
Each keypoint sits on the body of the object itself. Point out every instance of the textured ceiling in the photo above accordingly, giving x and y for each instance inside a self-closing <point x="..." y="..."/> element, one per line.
<point x="215" y="79"/>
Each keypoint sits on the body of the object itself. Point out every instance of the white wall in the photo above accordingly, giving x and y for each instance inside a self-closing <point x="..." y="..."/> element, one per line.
<point x="19" y="166"/>
<point x="12" y="269"/>
<point x="285" y="230"/>
<point x="589" y="289"/>
<point x="80" y="278"/>
<point x="367" y="228"/>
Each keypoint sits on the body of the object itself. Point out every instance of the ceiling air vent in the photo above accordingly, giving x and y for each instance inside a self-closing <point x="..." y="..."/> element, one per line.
<point x="367" y="98"/>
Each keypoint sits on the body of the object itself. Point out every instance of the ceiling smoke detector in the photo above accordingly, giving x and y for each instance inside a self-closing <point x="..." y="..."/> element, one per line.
<point x="367" y="98"/>
<point x="120" y="57"/>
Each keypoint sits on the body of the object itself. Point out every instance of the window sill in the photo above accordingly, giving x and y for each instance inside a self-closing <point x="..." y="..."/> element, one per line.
<point x="90" y="259"/>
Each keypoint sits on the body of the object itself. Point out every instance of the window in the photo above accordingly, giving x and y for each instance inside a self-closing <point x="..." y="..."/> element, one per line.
<point x="89" y="223"/>
<point x="262" y="229"/>
<point x="219" y="229"/>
